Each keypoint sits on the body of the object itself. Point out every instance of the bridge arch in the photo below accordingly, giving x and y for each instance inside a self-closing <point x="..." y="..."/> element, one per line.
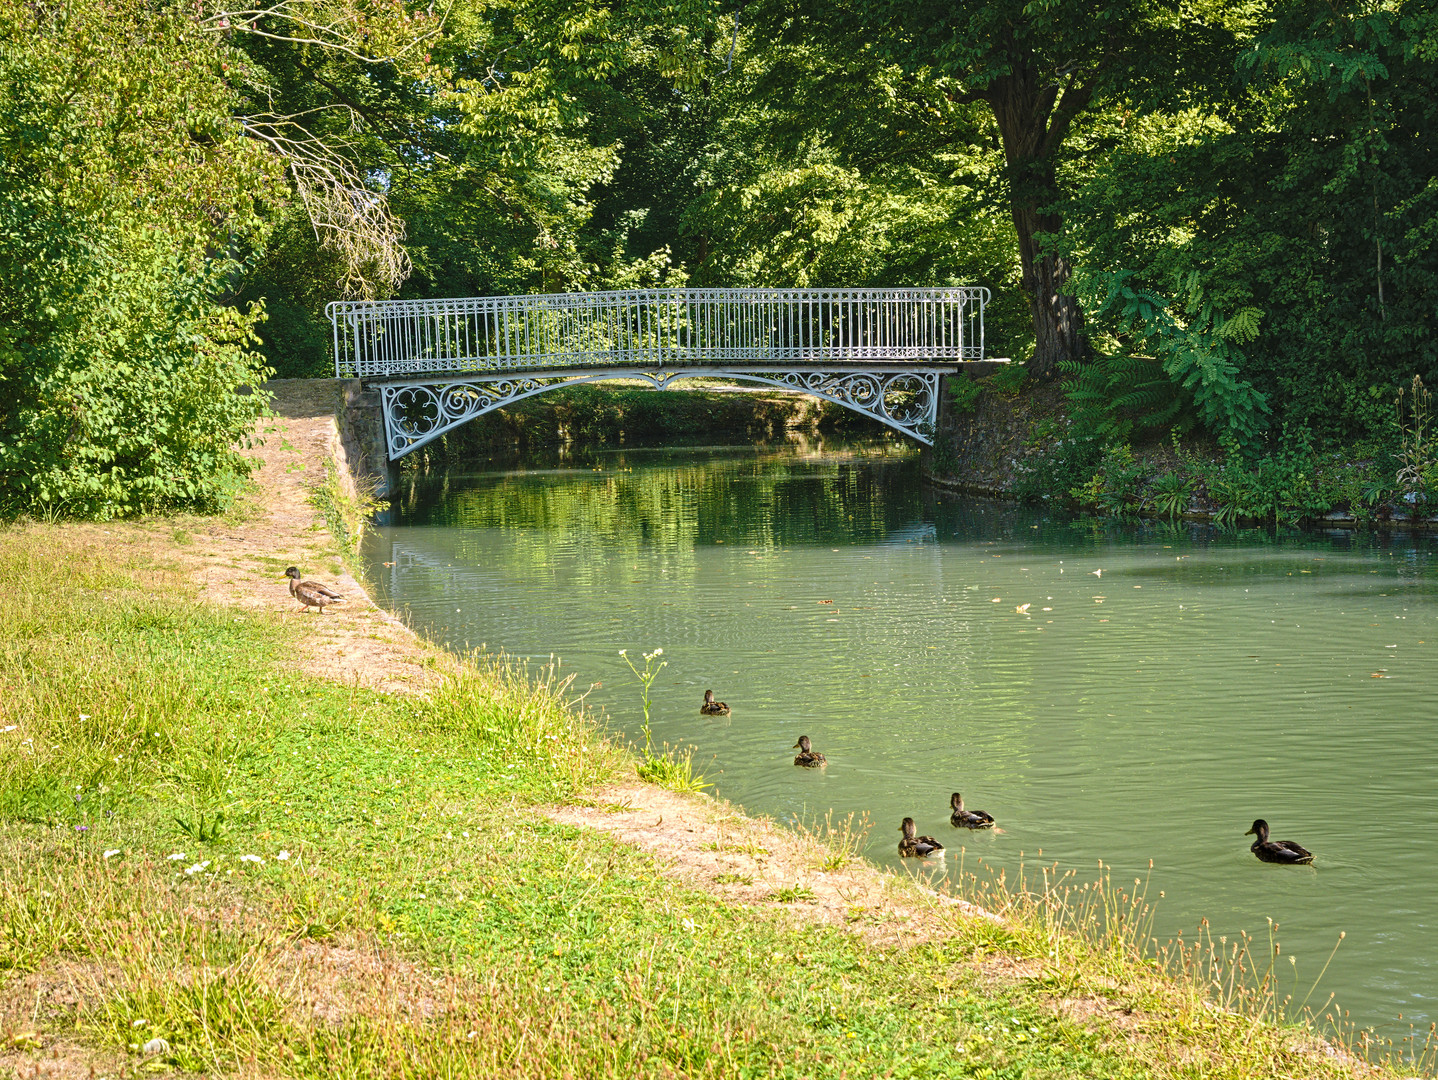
<point x="417" y="412"/>
<point x="441" y="363"/>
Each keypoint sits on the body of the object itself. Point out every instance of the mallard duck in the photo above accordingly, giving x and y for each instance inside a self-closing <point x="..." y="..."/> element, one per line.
<point x="1280" y="851"/>
<point x="807" y="757"/>
<point x="712" y="707"/>
<point x="968" y="819"/>
<point x="311" y="593"/>
<point x="918" y="847"/>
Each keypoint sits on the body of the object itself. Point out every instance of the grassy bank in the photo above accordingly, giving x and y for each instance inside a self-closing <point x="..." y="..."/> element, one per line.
<point x="1004" y="435"/>
<point x="277" y="874"/>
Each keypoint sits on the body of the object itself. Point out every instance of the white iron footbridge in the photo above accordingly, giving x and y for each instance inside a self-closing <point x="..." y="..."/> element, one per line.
<point x="440" y="363"/>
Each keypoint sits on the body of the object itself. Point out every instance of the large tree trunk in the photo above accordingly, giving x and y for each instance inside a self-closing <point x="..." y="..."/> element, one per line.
<point x="1058" y="320"/>
<point x="1033" y="116"/>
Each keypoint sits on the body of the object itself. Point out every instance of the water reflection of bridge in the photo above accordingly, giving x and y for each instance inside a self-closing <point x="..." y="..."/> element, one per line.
<point x="440" y="363"/>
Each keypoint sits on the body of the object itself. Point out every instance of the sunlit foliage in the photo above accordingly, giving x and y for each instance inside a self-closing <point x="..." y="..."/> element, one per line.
<point x="124" y="181"/>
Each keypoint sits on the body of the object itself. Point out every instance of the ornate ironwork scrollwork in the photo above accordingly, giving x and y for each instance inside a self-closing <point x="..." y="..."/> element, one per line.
<point x="904" y="400"/>
<point x="417" y="412"/>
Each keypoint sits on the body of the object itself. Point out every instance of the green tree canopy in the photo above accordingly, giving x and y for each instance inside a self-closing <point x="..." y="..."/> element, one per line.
<point x="1038" y="67"/>
<point x="124" y="181"/>
<point x="1305" y="213"/>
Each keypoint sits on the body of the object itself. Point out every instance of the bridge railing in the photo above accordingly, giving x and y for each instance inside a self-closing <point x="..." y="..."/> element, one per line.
<point x="658" y="327"/>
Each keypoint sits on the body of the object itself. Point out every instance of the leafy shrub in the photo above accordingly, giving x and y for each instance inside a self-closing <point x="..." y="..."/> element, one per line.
<point x="1279" y="487"/>
<point x="964" y="393"/>
<point x="1417" y="474"/>
<point x="1115" y="488"/>
<point x="1009" y="379"/>
<point x="294" y="278"/>
<point x="1198" y="352"/>
<point x="121" y="380"/>
<point x="1359" y="487"/>
<point x="1057" y="467"/>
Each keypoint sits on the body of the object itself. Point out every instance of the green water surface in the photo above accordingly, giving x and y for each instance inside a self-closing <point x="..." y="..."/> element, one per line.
<point x="1122" y="693"/>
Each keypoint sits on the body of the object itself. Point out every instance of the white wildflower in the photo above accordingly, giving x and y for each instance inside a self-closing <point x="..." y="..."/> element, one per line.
<point x="282" y="856"/>
<point x="176" y="856"/>
<point x="251" y="858"/>
<point x="112" y="852"/>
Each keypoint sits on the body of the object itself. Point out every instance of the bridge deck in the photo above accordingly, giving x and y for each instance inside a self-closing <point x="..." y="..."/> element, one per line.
<point x="440" y="363"/>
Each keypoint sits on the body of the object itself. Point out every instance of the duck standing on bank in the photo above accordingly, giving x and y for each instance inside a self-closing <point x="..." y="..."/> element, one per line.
<point x="916" y="847"/>
<point x="1279" y="851"/>
<point x="311" y="593"/>
<point x="807" y="756"/>
<point x="968" y="819"/>
<point x="712" y="707"/>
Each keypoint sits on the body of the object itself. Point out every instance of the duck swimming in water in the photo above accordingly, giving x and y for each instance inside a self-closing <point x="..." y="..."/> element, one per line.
<point x="916" y="847"/>
<point x="712" y="707"/>
<point x="1279" y="851"/>
<point x="807" y="756"/>
<point x="311" y="593"/>
<point x="968" y="819"/>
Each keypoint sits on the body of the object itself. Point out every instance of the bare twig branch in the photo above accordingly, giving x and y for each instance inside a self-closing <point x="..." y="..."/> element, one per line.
<point x="348" y="215"/>
<point x="344" y="201"/>
<point x="315" y="23"/>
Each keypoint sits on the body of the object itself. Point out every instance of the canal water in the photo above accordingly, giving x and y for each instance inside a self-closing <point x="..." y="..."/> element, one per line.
<point x="1109" y="692"/>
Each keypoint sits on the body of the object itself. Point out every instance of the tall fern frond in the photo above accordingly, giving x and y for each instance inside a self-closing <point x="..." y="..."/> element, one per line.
<point x="1197" y="353"/>
<point x="1113" y="394"/>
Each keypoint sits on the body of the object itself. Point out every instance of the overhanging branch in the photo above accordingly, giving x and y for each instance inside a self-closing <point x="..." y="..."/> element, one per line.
<point x="348" y="216"/>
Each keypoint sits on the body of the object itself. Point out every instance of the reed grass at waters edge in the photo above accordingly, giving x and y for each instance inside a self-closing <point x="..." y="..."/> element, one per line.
<point x="278" y="874"/>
